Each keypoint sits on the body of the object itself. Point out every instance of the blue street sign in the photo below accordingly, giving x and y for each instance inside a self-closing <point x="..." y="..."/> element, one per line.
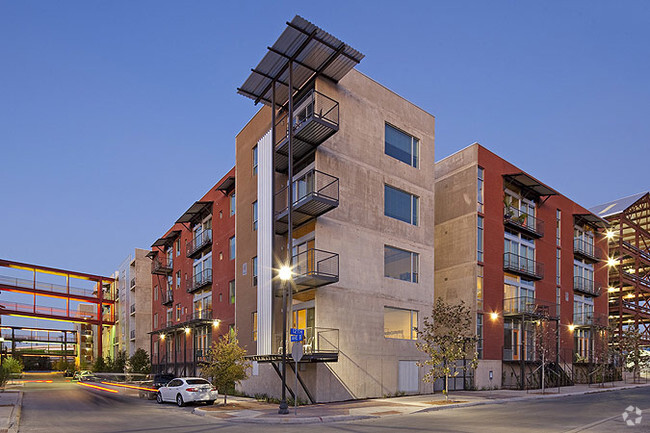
<point x="296" y="331"/>
<point x="295" y="338"/>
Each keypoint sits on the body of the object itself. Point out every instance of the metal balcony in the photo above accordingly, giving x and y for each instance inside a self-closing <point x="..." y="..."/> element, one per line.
<point x="199" y="315"/>
<point x="167" y="297"/>
<point x="315" y="268"/>
<point x="315" y="119"/>
<point x="585" y="250"/>
<point x="585" y="285"/>
<point x="589" y="319"/>
<point x="162" y="267"/>
<point x="199" y="280"/>
<point x="132" y="282"/>
<point x="522" y="221"/>
<point x="199" y="243"/>
<point x="315" y="193"/>
<point x="529" y="306"/>
<point x="523" y="266"/>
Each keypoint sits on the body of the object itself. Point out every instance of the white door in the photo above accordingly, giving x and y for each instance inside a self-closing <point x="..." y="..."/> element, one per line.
<point x="408" y="378"/>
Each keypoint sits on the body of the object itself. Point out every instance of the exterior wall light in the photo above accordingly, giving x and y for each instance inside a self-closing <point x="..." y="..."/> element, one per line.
<point x="572" y="327"/>
<point x="187" y="330"/>
<point x="285" y="273"/>
<point x="611" y="261"/>
<point x="162" y="336"/>
<point x="216" y="322"/>
<point x="494" y="316"/>
<point x="609" y="235"/>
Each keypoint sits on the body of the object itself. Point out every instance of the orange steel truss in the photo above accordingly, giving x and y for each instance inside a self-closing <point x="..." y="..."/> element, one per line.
<point x="101" y="296"/>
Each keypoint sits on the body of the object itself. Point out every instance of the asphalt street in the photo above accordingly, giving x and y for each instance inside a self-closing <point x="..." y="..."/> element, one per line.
<point x="68" y="407"/>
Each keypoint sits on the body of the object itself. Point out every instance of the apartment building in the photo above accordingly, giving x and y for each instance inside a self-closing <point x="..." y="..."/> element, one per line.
<point x="344" y="197"/>
<point x="529" y="262"/>
<point x="193" y="281"/>
<point x="629" y="262"/>
<point x="132" y="306"/>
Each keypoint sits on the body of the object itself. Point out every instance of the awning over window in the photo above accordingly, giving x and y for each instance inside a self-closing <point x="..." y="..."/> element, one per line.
<point x="314" y="52"/>
<point x="592" y="220"/>
<point x="227" y="185"/>
<point x="166" y="241"/>
<point x="524" y="180"/>
<point x="196" y="211"/>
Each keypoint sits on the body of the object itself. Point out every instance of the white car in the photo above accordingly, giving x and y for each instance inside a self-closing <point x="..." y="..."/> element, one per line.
<point x="186" y="389"/>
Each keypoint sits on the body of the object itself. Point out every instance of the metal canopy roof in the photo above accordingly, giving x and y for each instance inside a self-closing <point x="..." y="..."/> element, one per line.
<point x="529" y="182"/>
<point x="152" y="254"/>
<point x="314" y="52"/>
<point x="592" y="219"/>
<point x="227" y="185"/>
<point x="617" y="206"/>
<point x="197" y="209"/>
<point x="166" y="241"/>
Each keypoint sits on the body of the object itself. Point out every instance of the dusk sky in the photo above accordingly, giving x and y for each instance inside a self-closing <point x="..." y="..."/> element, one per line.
<point x="116" y="115"/>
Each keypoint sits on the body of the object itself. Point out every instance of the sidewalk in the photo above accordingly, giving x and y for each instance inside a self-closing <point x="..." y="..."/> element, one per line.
<point x="249" y="410"/>
<point x="10" y="407"/>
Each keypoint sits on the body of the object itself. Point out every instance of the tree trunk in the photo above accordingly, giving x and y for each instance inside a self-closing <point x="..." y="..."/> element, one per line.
<point x="446" y="387"/>
<point x="224" y="398"/>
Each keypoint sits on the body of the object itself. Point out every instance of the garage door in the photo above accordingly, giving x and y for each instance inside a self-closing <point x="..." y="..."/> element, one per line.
<point x="409" y="379"/>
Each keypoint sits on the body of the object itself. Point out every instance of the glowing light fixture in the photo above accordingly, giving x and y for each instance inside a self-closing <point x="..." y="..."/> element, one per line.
<point x="162" y="336"/>
<point x="572" y="327"/>
<point x="285" y="273"/>
<point x="611" y="261"/>
<point x="494" y="316"/>
<point x="609" y="234"/>
<point x="611" y="289"/>
<point x="216" y="322"/>
<point x="187" y="330"/>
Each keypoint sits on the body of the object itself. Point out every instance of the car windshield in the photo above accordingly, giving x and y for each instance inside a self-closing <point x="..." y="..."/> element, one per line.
<point x="197" y="382"/>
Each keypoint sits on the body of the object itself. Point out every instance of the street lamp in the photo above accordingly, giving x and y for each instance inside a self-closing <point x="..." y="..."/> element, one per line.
<point x="285" y="276"/>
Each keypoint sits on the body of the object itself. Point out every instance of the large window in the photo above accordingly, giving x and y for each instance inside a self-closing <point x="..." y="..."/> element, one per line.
<point x="231" y="291"/>
<point x="232" y="204"/>
<point x="400" y="264"/>
<point x="479" y="335"/>
<point x="400" y="323"/>
<point x="255" y="160"/>
<point x="479" y="192"/>
<point x="558" y="227"/>
<point x="255" y="215"/>
<point x="402" y="146"/>
<point x="232" y="248"/>
<point x="255" y="271"/>
<point x="400" y="205"/>
<point x="479" y="287"/>
<point x="255" y="326"/>
<point x="479" y="239"/>
<point x="558" y="266"/>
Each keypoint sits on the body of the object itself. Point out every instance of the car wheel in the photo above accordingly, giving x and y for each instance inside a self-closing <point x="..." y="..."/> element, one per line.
<point x="210" y="402"/>
<point x="159" y="398"/>
<point x="179" y="400"/>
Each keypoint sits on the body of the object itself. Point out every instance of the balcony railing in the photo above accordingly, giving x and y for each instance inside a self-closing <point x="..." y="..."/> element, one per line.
<point x="132" y="282"/>
<point x="523" y="266"/>
<point x="162" y="267"/>
<point x="132" y="308"/>
<point x="205" y="314"/>
<point x="315" y="119"/>
<point x="589" y="318"/>
<point x="528" y="305"/>
<point x="167" y="297"/>
<point x="199" y="242"/>
<point x="315" y="268"/>
<point x="199" y="280"/>
<point x="314" y="193"/>
<point x="586" y="249"/>
<point x="133" y="334"/>
<point x="585" y="285"/>
<point x="201" y="355"/>
<point x="519" y="352"/>
<point x="321" y="343"/>
<point x="523" y="221"/>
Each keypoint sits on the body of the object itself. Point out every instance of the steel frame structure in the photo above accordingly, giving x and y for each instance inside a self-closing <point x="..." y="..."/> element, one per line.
<point x="629" y="272"/>
<point x="102" y="299"/>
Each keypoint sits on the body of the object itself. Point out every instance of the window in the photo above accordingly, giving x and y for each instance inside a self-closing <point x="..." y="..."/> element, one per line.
<point x="231" y="291"/>
<point x="255" y="326"/>
<point x="255" y="271"/>
<point x="155" y="293"/>
<point x="583" y="276"/>
<point x="170" y="282"/>
<point x="178" y="247"/>
<point x="255" y="215"/>
<point x="479" y="287"/>
<point x="178" y="312"/>
<point x="400" y="205"/>
<point x="558" y="266"/>
<point x="479" y="192"/>
<point x="558" y="226"/>
<point x="232" y="248"/>
<point x="155" y="320"/>
<point x="479" y="335"/>
<point x="255" y="160"/>
<point x="401" y="146"/>
<point x="178" y="279"/>
<point x="400" y="323"/>
<point x="479" y="239"/>
<point x="232" y="204"/>
<point x="170" y="316"/>
<point x="400" y="264"/>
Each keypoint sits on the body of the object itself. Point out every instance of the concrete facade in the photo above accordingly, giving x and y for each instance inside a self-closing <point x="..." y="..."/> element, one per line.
<point x="358" y="230"/>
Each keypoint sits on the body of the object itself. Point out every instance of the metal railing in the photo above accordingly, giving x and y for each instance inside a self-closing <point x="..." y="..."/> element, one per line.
<point x="167" y="297"/>
<point x="314" y="262"/>
<point x="132" y="282"/>
<point x="205" y="314"/>
<point x="162" y="266"/>
<point x="49" y="287"/>
<point x="523" y="265"/>
<point x="586" y="248"/>
<point x="132" y="309"/>
<point x="199" y="241"/>
<point x="317" y="341"/>
<point x="531" y="306"/>
<point x="57" y="312"/>
<point x="133" y="334"/>
<point x="314" y="105"/>
<point x="585" y="285"/>
<point x="199" y="280"/>
<point x="523" y="220"/>
<point x="312" y="184"/>
<point x="589" y="318"/>
<point x="519" y="352"/>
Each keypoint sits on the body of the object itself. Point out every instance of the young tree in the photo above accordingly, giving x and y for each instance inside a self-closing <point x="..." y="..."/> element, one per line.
<point x="545" y="346"/>
<point x="447" y="336"/>
<point x="119" y="364"/>
<point x="634" y="358"/>
<point x="99" y="365"/>
<point x="140" y="362"/>
<point x="225" y="364"/>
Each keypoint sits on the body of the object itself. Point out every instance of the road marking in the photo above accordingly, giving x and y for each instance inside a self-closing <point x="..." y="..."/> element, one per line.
<point x="594" y="424"/>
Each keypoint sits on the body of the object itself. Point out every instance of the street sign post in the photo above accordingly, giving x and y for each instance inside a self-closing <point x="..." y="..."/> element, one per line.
<point x="296" y="354"/>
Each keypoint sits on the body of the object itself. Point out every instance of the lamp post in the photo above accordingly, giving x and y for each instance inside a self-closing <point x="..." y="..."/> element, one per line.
<point x="285" y="277"/>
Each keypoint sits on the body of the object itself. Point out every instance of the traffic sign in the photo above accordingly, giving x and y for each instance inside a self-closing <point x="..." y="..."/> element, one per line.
<point x="297" y="337"/>
<point x="297" y="331"/>
<point x="296" y="352"/>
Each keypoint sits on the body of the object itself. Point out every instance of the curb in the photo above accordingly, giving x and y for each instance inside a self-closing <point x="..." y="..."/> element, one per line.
<point x="286" y="420"/>
<point x="14" y="417"/>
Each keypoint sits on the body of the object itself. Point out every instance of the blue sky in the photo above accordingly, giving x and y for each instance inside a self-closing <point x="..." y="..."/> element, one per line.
<point x="116" y="115"/>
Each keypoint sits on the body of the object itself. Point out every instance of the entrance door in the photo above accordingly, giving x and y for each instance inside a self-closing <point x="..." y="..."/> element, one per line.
<point x="515" y="345"/>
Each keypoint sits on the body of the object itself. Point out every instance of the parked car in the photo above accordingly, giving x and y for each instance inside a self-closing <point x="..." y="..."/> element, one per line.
<point x="79" y="374"/>
<point x="187" y="389"/>
<point x="155" y="381"/>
